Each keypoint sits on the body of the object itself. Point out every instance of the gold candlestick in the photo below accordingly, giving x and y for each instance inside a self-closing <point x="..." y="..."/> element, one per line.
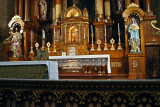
<point x="48" y="45"/>
<point x="112" y="41"/>
<point x="119" y="43"/>
<point x="92" y="48"/>
<point x="37" y="45"/>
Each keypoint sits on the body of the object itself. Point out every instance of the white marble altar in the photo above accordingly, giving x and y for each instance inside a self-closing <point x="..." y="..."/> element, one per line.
<point x="87" y="59"/>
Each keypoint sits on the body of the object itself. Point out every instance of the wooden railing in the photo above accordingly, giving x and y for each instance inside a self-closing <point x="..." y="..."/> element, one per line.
<point x="79" y="93"/>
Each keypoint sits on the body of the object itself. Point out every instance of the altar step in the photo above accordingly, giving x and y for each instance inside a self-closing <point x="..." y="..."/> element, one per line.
<point x="92" y="76"/>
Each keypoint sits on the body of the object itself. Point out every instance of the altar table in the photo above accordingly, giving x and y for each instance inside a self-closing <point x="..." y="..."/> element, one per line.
<point x="29" y="69"/>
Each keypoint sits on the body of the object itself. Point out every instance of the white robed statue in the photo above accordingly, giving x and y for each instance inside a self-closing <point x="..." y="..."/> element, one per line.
<point x="134" y="40"/>
<point x="16" y="44"/>
<point x="43" y="9"/>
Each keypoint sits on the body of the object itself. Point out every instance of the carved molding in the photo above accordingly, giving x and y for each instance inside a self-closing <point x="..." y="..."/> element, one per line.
<point x="134" y="64"/>
<point x="116" y="64"/>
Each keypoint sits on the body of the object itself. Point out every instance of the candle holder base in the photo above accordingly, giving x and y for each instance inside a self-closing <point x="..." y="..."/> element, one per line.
<point x="105" y="47"/>
<point x="119" y="47"/>
<point x="92" y="48"/>
<point x="31" y="52"/>
<point x="54" y="50"/>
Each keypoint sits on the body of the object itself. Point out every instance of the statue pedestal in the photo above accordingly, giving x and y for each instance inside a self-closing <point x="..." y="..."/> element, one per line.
<point x="16" y="59"/>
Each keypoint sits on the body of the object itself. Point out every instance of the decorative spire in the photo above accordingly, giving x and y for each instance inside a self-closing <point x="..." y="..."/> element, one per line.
<point x="74" y="2"/>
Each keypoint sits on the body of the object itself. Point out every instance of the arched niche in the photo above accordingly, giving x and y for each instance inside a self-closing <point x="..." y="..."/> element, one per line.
<point x="16" y="21"/>
<point x="133" y="11"/>
<point x="73" y="34"/>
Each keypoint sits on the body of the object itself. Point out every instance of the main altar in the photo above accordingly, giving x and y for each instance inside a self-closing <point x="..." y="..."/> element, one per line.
<point x="106" y="39"/>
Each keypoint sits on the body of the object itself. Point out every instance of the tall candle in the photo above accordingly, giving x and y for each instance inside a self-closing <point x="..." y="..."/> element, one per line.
<point x="43" y="33"/>
<point x="32" y="37"/>
<point x="91" y="29"/>
<point x="105" y="29"/>
<point x="118" y="29"/>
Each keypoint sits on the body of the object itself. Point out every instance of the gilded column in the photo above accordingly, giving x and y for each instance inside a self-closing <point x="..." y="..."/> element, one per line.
<point x="58" y="9"/>
<point x="21" y="8"/>
<point x="128" y="2"/>
<point x="16" y="8"/>
<point x="79" y="33"/>
<point x="99" y="8"/>
<point x="26" y="18"/>
<point x="54" y="11"/>
<point x="107" y="9"/>
<point x="137" y="2"/>
<point x="148" y="6"/>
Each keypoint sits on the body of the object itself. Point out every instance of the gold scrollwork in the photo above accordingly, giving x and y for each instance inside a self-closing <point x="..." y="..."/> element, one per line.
<point x="156" y="30"/>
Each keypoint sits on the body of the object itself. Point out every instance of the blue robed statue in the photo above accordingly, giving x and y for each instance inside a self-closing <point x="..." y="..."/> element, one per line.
<point x="134" y="40"/>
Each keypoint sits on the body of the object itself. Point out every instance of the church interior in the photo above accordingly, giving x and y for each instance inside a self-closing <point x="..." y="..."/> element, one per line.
<point x="79" y="53"/>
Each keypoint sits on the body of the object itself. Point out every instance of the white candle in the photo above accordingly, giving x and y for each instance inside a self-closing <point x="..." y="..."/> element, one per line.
<point x="118" y="29"/>
<point x="105" y="29"/>
<point x="43" y="33"/>
<point x="91" y="29"/>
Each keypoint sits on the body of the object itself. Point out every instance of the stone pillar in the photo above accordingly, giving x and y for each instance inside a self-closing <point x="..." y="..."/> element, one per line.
<point x="148" y="6"/>
<point x="99" y="8"/>
<point x="21" y="8"/>
<point x="16" y="8"/>
<point x="107" y="9"/>
<point x="137" y="2"/>
<point x="26" y="18"/>
<point x="54" y="11"/>
<point x="128" y="2"/>
<point x="58" y="9"/>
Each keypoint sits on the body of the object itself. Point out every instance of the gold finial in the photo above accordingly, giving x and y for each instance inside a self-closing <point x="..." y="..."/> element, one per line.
<point x="74" y="2"/>
<point x="48" y="45"/>
<point x="37" y="45"/>
<point x="112" y="41"/>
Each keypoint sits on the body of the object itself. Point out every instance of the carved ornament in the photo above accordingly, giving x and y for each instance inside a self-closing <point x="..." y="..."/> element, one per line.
<point x="156" y="29"/>
<point x="133" y="5"/>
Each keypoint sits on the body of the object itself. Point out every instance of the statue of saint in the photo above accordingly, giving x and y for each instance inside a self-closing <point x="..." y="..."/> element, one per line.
<point x="119" y="5"/>
<point x="134" y="41"/>
<point x="16" y="44"/>
<point x="43" y="9"/>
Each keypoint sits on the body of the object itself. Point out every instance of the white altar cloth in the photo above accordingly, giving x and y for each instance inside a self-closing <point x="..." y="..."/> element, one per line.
<point x="104" y="56"/>
<point x="52" y="66"/>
